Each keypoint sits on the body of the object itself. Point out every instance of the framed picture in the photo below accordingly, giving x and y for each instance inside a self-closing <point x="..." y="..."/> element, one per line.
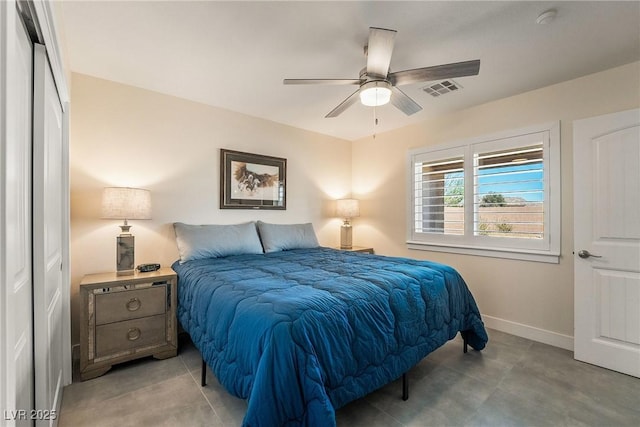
<point x="252" y="181"/>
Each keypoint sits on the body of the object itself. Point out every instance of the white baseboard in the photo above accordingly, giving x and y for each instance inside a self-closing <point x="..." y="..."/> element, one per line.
<point x="525" y="331"/>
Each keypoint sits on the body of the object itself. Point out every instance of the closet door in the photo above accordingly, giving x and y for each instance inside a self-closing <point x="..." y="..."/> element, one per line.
<point x="47" y="236"/>
<point x="16" y="180"/>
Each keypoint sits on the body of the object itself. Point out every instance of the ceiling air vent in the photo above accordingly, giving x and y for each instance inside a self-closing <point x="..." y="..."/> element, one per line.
<point x="442" y="87"/>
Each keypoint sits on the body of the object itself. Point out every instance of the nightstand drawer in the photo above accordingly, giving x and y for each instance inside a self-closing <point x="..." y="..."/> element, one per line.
<point x="118" y="306"/>
<point x="131" y="334"/>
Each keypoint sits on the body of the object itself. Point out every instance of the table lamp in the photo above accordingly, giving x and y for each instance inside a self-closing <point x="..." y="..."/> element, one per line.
<point x="347" y="209"/>
<point x="125" y="203"/>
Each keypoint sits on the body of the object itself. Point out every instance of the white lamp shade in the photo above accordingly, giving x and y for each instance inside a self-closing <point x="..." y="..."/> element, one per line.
<point x="126" y="203"/>
<point x="347" y="208"/>
<point x="373" y="94"/>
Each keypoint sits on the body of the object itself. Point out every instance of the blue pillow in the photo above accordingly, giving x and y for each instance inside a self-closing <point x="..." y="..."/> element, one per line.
<point x="215" y="241"/>
<point x="282" y="237"/>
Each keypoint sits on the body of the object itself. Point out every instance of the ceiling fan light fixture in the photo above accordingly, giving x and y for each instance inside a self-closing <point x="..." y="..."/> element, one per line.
<point x="375" y="93"/>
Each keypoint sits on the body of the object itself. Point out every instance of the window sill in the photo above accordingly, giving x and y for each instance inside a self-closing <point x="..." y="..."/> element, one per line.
<point x="521" y="255"/>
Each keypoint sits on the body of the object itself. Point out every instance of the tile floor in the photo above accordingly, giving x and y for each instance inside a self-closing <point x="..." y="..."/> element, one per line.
<point x="513" y="382"/>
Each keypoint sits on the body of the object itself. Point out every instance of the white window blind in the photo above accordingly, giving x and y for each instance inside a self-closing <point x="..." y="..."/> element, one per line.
<point x="439" y="196"/>
<point x="509" y="193"/>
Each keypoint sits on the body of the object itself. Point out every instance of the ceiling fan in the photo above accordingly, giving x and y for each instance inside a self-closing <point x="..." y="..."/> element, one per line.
<point x="377" y="86"/>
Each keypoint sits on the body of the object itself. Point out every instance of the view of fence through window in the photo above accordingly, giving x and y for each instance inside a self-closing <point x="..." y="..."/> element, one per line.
<point x="508" y="194"/>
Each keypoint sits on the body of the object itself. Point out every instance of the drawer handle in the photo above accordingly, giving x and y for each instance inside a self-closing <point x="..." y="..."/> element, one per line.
<point x="133" y="334"/>
<point x="134" y="304"/>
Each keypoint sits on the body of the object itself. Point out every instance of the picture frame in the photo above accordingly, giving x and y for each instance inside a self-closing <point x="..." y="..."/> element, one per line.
<point x="252" y="181"/>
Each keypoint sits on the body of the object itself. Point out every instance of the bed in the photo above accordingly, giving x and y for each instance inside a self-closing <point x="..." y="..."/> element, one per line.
<point x="301" y="332"/>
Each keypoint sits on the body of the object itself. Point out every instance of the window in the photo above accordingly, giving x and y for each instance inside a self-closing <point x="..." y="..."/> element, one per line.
<point x="439" y="185"/>
<point x="494" y="196"/>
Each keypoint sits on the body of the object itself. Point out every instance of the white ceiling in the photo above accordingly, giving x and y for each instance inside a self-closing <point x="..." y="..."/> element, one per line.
<point x="234" y="55"/>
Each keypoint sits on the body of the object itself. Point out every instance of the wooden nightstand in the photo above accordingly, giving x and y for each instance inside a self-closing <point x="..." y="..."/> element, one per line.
<point x="362" y="249"/>
<point x="126" y="317"/>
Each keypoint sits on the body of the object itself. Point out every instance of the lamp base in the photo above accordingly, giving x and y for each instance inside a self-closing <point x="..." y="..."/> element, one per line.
<point x="125" y="255"/>
<point x="125" y="273"/>
<point x="345" y="236"/>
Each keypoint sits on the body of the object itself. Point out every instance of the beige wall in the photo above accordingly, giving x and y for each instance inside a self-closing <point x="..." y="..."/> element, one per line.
<point x="124" y="136"/>
<point x="536" y="295"/>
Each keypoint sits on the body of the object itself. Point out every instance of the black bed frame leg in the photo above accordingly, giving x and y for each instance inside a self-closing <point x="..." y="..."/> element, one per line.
<point x="405" y="387"/>
<point x="203" y="374"/>
<point x="464" y="341"/>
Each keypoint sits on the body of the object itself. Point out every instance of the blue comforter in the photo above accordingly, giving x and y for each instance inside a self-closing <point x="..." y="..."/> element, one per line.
<point x="301" y="333"/>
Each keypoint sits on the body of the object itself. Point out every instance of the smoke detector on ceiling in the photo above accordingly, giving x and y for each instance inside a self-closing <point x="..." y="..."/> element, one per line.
<point x="546" y="17"/>
<point x="442" y="87"/>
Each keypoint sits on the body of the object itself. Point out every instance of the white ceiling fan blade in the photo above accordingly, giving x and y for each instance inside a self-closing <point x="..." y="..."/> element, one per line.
<point x="352" y="99"/>
<point x="438" y="72"/>
<point x="379" y="51"/>
<point x="321" y="82"/>
<point x="402" y="102"/>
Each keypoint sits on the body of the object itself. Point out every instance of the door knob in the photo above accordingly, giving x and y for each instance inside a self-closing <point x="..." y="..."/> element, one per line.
<point x="586" y="254"/>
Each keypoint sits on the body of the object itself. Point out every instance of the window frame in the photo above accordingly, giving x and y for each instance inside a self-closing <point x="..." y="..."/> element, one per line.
<point x="546" y="249"/>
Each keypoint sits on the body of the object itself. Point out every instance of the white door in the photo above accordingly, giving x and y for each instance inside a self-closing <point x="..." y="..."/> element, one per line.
<point x="17" y="225"/>
<point x="47" y="236"/>
<point x="606" y="189"/>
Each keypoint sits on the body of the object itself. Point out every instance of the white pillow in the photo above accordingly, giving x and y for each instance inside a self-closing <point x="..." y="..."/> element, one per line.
<point x="282" y="237"/>
<point x="214" y="241"/>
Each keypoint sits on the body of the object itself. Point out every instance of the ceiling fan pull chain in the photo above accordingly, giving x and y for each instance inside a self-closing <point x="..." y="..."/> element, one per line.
<point x="375" y="121"/>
